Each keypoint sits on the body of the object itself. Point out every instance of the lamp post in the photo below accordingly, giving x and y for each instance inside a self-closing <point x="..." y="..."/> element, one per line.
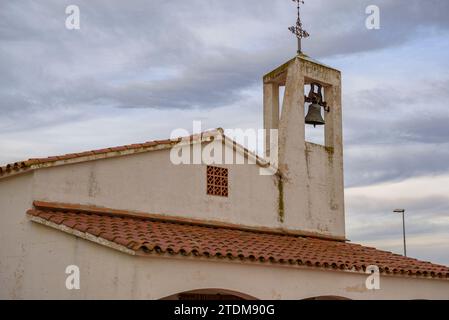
<point x="403" y="227"/>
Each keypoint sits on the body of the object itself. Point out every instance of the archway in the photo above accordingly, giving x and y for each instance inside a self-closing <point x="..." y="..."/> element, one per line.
<point x="327" y="298"/>
<point x="209" y="294"/>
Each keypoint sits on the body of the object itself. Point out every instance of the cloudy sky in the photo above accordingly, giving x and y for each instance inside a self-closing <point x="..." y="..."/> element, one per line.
<point x="138" y="69"/>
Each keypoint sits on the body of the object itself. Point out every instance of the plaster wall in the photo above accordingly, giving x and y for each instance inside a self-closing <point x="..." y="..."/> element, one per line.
<point x="43" y="254"/>
<point x="149" y="182"/>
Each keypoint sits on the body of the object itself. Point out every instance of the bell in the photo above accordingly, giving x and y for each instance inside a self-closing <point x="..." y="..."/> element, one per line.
<point x="314" y="115"/>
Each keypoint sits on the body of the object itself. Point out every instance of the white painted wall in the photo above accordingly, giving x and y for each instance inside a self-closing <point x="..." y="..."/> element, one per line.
<point x="149" y="182"/>
<point x="16" y="234"/>
<point x="42" y="255"/>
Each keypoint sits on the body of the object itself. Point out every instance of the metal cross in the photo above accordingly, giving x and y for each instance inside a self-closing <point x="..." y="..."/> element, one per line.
<point x="298" y="30"/>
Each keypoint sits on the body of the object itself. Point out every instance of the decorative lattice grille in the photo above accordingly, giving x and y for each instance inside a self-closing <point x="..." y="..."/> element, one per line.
<point x="217" y="181"/>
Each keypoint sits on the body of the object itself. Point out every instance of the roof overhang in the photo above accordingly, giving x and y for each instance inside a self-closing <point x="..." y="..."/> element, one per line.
<point x="147" y="235"/>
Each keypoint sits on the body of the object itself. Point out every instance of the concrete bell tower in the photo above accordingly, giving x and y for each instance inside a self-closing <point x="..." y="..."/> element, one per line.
<point x="311" y="175"/>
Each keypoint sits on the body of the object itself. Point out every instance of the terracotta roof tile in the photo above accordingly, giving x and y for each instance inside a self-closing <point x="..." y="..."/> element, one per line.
<point x="123" y="148"/>
<point x="26" y="165"/>
<point x="101" y="151"/>
<point x="150" y="236"/>
<point x="149" y="144"/>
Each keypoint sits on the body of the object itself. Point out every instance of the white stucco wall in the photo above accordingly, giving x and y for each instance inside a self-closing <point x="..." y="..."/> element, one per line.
<point x="42" y="255"/>
<point x="15" y="236"/>
<point x="33" y="259"/>
<point x="150" y="183"/>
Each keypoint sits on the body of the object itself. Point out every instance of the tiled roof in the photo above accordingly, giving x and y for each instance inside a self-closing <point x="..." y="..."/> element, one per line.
<point x="33" y="163"/>
<point x="148" y="236"/>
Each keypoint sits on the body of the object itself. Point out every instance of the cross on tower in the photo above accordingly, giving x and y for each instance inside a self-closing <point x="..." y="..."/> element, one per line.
<point x="298" y="30"/>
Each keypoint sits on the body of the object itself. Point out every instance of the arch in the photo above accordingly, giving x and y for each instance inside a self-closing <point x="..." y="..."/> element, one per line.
<point x="209" y="294"/>
<point x="327" y="298"/>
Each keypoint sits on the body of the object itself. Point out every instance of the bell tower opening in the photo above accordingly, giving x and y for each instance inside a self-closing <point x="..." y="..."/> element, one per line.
<point x="281" y="98"/>
<point x="314" y="133"/>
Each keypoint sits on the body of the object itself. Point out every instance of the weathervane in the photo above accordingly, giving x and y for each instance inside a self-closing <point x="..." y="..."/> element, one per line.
<point x="298" y="30"/>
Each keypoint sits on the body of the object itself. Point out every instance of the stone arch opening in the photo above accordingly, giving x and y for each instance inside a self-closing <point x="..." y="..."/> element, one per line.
<point x="327" y="298"/>
<point x="209" y="294"/>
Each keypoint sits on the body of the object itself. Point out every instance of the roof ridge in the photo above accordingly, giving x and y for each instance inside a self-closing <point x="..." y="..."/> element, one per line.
<point x="108" y="149"/>
<point x="35" y="163"/>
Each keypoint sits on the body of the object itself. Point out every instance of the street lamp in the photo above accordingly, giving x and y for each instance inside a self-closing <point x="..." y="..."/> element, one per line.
<point x="403" y="227"/>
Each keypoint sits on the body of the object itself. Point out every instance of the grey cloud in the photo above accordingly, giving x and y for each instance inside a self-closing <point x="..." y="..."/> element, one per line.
<point x="381" y="163"/>
<point x="57" y="67"/>
<point x="396" y="133"/>
<point x="338" y="27"/>
<point x="209" y="53"/>
<point x="414" y="112"/>
<point x="371" y="221"/>
<point x="373" y="218"/>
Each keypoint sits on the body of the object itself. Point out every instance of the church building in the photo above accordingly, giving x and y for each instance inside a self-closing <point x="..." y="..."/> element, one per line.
<point x="128" y="223"/>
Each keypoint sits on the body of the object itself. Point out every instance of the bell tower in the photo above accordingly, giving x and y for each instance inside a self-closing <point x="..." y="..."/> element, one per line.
<point x="311" y="175"/>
